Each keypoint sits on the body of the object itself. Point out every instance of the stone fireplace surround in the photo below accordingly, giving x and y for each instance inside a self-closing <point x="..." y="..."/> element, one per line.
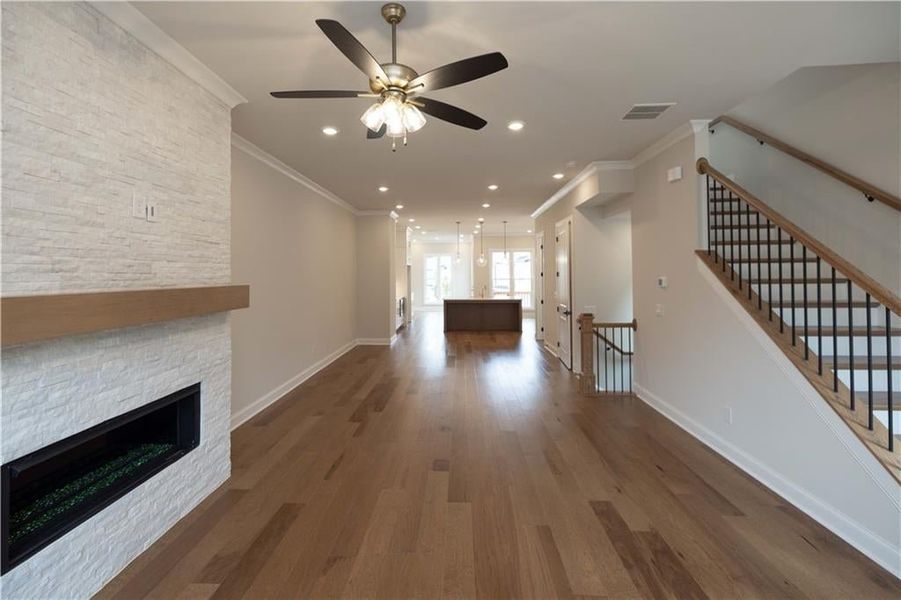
<point x="92" y="118"/>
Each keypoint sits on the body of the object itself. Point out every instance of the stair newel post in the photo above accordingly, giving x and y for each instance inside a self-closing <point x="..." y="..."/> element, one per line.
<point x="586" y="380"/>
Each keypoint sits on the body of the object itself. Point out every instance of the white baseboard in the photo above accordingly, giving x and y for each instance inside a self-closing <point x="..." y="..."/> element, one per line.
<point x="271" y="396"/>
<point x="375" y="341"/>
<point x="862" y="538"/>
<point x="551" y="350"/>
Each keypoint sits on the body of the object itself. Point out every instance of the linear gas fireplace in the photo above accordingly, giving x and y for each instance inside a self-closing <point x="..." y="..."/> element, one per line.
<point x="52" y="490"/>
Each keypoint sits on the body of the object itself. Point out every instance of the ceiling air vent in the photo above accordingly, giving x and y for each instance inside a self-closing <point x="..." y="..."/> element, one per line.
<point x="647" y="111"/>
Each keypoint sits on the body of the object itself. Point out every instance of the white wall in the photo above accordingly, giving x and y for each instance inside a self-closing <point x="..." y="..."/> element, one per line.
<point x="461" y="272"/>
<point x="297" y="250"/>
<point x="601" y="260"/>
<point x="91" y="116"/>
<point x="700" y="359"/>
<point x="849" y="116"/>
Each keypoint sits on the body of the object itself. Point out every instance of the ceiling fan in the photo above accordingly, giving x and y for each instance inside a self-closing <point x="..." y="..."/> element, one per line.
<point x="398" y="88"/>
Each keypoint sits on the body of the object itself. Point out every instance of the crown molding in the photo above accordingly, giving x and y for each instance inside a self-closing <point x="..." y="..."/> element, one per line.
<point x="264" y="157"/>
<point x="377" y="213"/>
<point x="569" y="186"/>
<point x="148" y="33"/>
<point x="692" y="127"/>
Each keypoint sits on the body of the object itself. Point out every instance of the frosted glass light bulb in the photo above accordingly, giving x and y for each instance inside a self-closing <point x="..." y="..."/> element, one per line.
<point x="482" y="260"/>
<point x="374" y="117"/>
<point x="394" y="116"/>
<point x="414" y="120"/>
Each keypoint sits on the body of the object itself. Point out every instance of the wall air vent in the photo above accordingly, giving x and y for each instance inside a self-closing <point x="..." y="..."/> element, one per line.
<point x="647" y="111"/>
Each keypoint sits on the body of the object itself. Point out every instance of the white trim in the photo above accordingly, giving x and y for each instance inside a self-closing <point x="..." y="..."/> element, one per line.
<point x="584" y="174"/>
<point x="551" y="350"/>
<point x="677" y="135"/>
<point x="839" y="428"/>
<point x="376" y="213"/>
<point x="148" y="33"/>
<point x="862" y="538"/>
<point x="375" y="341"/>
<point x="264" y="157"/>
<point x="264" y="401"/>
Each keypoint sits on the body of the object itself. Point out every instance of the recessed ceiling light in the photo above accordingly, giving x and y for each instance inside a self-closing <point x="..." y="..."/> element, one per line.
<point x="528" y="231"/>
<point x="486" y="205"/>
<point x="492" y="187"/>
<point x="411" y="220"/>
<point x="436" y="237"/>
<point x="515" y="125"/>
<point x="418" y="227"/>
<point x="481" y="219"/>
<point x="329" y="130"/>
<point x="399" y="206"/>
<point x="558" y="176"/>
<point x="383" y="189"/>
<point x="478" y="226"/>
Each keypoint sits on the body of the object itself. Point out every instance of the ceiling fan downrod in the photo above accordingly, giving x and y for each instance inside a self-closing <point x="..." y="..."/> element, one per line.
<point x="393" y="13"/>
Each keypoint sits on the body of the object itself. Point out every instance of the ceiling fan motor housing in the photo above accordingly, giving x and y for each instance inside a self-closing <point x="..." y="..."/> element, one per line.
<point x="393" y="12"/>
<point x="399" y="76"/>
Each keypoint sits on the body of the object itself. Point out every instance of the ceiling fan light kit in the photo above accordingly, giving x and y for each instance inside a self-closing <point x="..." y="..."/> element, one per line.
<point x="399" y="107"/>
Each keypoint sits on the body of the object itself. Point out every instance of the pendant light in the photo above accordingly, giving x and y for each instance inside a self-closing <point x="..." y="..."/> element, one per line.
<point x="482" y="261"/>
<point x="505" y="239"/>
<point x="458" y="242"/>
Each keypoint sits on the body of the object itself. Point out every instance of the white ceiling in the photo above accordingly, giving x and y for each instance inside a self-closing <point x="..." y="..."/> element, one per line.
<point x="575" y="69"/>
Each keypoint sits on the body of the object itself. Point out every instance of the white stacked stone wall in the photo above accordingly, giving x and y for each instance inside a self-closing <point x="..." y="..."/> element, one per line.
<point x="91" y="117"/>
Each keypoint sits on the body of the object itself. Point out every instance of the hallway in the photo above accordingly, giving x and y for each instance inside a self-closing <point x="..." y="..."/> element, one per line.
<point x="469" y="466"/>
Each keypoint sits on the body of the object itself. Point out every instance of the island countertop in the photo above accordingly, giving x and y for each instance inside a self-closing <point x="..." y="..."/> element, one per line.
<point x="483" y="314"/>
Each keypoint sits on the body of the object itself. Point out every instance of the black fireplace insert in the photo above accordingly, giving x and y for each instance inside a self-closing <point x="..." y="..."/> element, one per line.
<point x="52" y="490"/>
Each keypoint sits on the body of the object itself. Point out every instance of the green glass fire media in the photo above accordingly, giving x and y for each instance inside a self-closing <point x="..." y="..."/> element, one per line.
<point x="42" y="510"/>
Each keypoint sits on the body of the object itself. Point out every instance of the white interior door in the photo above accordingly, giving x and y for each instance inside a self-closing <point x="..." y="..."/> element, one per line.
<point x="539" y="287"/>
<point x="562" y="291"/>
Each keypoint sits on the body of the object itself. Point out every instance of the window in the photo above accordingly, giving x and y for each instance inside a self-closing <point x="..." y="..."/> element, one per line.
<point x="511" y="275"/>
<point x="438" y="277"/>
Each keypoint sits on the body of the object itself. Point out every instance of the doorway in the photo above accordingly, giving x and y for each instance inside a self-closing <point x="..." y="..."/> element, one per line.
<point x="563" y="290"/>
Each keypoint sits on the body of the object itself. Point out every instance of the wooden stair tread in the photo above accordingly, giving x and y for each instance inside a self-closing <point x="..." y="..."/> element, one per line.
<point x="880" y="400"/>
<point x="880" y="363"/>
<point x="799" y="303"/>
<point x="776" y="242"/>
<point x="809" y="280"/>
<point x="785" y="259"/>
<point x="877" y="332"/>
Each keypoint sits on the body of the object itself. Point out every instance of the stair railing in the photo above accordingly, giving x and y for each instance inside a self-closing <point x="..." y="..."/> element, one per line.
<point x="731" y="210"/>
<point x="607" y="351"/>
<point x="870" y="192"/>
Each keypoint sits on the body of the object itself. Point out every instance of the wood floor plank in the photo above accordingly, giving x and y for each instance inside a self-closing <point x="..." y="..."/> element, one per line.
<point x="468" y="465"/>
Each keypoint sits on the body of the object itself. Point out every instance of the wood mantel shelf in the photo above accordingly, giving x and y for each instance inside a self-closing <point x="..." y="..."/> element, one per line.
<point x="25" y="319"/>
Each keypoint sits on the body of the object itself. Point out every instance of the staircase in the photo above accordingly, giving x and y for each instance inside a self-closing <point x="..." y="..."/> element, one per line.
<point x="839" y="327"/>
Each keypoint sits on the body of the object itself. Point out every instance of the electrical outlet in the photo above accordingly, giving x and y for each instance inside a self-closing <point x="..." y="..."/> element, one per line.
<point x="152" y="212"/>
<point x="591" y="309"/>
<point x="674" y="174"/>
<point x="659" y="311"/>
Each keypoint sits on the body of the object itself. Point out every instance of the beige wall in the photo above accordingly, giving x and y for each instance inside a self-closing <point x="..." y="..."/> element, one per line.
<point x="699" y="360"/>
<point x="375" y="275"/>
<point x="849" y="116"/>
<point x="600" y="258"/>
<point x="297" y="252"/>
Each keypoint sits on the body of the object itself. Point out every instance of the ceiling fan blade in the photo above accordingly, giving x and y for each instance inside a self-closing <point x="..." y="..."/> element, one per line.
<point x="352" y="48"/>
<point x="320" y="94"/>
<point x="459" y="72"/>
<point x="374" y="135"/>
<point x="449" y="113"/>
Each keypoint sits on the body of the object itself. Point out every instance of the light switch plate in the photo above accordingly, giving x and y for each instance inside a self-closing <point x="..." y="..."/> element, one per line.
<point x="674" y="174"/>
<point x="662" y="282"/>
<point x="659" y="311"/>
<point x="152" y="212"/>
<point x="138" y="207"/>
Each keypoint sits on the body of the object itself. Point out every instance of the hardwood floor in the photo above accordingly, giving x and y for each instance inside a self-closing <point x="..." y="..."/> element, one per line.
<point x="469" y="466"/>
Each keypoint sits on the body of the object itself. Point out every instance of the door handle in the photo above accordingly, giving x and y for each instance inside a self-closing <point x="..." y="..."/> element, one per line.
<point x="566" y="313"/>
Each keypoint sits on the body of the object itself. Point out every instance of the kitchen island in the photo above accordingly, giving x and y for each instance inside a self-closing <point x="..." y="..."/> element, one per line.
<point x="483" y="314"/>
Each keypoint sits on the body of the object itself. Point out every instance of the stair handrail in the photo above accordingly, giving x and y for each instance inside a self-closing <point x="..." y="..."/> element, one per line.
<point x="631" y="325"/>
<point x="870" y="191"/>
<point x="878" y="291"/>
